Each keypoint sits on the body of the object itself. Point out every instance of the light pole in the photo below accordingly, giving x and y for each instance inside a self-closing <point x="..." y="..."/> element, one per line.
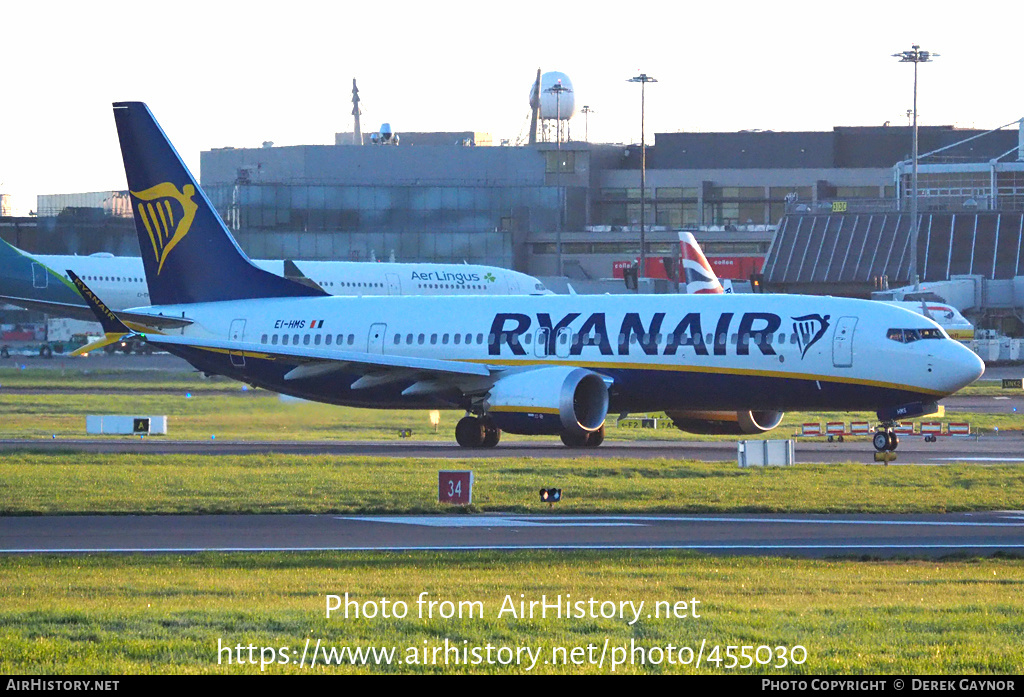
<point x="643" y="79"/>
<point x="915" y="55"/>
<point x="586" y="111"/>
<point x="558" y="89"/>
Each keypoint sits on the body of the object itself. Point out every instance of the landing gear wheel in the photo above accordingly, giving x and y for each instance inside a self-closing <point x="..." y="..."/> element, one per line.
<point x="469" y="432"/>
<point x="595" y="438"/>
<point x="894" y="441"/>
<point x="574" y="440"/>
<point x="492" y="434"/>
<point x="880" y="441"/>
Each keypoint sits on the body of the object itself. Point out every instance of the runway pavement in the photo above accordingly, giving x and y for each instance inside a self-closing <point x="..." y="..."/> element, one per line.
<point x="748" y="534"/>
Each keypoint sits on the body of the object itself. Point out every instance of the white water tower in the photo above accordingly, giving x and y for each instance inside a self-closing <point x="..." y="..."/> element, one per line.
<point x="557" y="103"/>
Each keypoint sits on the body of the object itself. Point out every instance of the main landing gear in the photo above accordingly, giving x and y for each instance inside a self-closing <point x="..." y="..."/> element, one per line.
<point x="473" y="432"/>
<point x="583" y="440"/>
<point x="885" y="438"/>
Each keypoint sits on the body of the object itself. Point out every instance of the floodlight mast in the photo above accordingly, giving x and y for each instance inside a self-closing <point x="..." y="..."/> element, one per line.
<point x="643" y="79"/>
<point x="915" y="55"/>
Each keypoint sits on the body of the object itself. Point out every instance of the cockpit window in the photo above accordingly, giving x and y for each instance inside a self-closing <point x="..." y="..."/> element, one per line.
<point x="908" y="336"/>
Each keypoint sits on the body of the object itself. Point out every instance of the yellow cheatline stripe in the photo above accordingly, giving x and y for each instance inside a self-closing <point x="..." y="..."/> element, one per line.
<point x="709" y="369"/>
<point x="526" y="410"/>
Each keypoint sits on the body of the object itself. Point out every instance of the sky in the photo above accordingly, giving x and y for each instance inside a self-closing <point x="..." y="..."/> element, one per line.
<point x="220" y="73"/>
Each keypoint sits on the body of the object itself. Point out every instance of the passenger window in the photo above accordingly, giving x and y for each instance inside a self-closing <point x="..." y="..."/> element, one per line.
<point x="327" y="340"/>
<point x="351" y="339"/>
<point x="305" y="339"/>
<point x="458" y="339"/>
<point x="273" y="340"/>
<point x="316" y="340"/>
<point x="284" y="339"/>
<point x="263" y="339"/>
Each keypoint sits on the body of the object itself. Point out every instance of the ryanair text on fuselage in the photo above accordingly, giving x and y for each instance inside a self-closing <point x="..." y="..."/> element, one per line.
<point x="756" y="329"/>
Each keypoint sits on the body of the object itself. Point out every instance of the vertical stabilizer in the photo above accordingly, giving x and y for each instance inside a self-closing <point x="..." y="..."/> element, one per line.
<point x="188" y="253"/>
<point x="700" y="277"/>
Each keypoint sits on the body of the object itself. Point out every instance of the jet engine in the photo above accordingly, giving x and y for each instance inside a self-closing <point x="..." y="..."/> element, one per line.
<point x="549" y="401"/>
<point x="730" y="423"/>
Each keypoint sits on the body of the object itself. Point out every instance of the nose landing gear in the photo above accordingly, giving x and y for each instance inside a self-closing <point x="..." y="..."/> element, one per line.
<point x="885" y="438"/>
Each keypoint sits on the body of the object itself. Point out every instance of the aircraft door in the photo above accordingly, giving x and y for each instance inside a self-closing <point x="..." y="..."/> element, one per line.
<point x="842" y="342"/>
<point x="563" y="342"/>
<point x="237" y="333"/>
<point x="394" y="284"/>
<point x="540" y="348"/>
<point x="39" y="275"/>
<point x="375" y="339"/>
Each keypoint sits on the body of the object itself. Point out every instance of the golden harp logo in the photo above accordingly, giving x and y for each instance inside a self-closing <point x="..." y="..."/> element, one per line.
<point x="167" y="214"/>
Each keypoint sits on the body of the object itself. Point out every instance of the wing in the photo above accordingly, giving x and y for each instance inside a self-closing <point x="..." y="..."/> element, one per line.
<point x="428" y="375"/>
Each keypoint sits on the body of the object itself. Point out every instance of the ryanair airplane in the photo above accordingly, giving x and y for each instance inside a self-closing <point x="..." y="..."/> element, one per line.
<point x="32" y="281"/>
<point x="546" y="364"/>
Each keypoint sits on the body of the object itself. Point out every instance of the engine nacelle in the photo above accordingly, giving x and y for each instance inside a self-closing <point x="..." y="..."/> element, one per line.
<point x="729" y="423"/>
<point x="549" y="401"/>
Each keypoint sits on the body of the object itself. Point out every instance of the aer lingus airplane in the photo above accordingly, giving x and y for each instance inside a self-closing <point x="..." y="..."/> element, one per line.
<point x="545" y="364"/>
<point x="39" y="281"/>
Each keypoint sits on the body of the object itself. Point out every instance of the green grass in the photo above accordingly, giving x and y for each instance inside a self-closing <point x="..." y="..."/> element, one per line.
<point x="53" y="483"/>
<point x="166" y="614"/>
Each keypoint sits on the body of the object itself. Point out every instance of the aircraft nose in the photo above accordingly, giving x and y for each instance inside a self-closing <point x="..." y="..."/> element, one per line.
<point x="964" y="366"/>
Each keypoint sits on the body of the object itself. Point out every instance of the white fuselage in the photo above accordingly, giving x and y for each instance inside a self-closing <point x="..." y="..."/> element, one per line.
<point x="658" y="352"/>
<point x="121" y="281"/>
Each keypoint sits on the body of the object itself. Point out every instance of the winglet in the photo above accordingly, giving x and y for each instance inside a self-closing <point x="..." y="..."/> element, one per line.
<point x="113" y="328"/>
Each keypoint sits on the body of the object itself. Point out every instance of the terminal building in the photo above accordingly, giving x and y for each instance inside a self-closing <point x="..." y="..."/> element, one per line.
<point x="811" y="211"/>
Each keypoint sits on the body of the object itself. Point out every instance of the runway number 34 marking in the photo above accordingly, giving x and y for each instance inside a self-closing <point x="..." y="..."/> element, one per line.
<point x="455" y="487"/>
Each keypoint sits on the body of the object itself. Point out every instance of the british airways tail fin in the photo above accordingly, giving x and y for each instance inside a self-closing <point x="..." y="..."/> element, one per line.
<point x="188" y="253"/>
<point x="700" y="277"/>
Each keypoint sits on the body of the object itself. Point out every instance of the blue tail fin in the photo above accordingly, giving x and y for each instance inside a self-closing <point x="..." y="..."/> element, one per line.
<point x="188" y="253"/>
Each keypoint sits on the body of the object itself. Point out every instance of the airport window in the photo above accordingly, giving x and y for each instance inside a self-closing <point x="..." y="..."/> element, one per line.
<point x="263" y="339"/>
